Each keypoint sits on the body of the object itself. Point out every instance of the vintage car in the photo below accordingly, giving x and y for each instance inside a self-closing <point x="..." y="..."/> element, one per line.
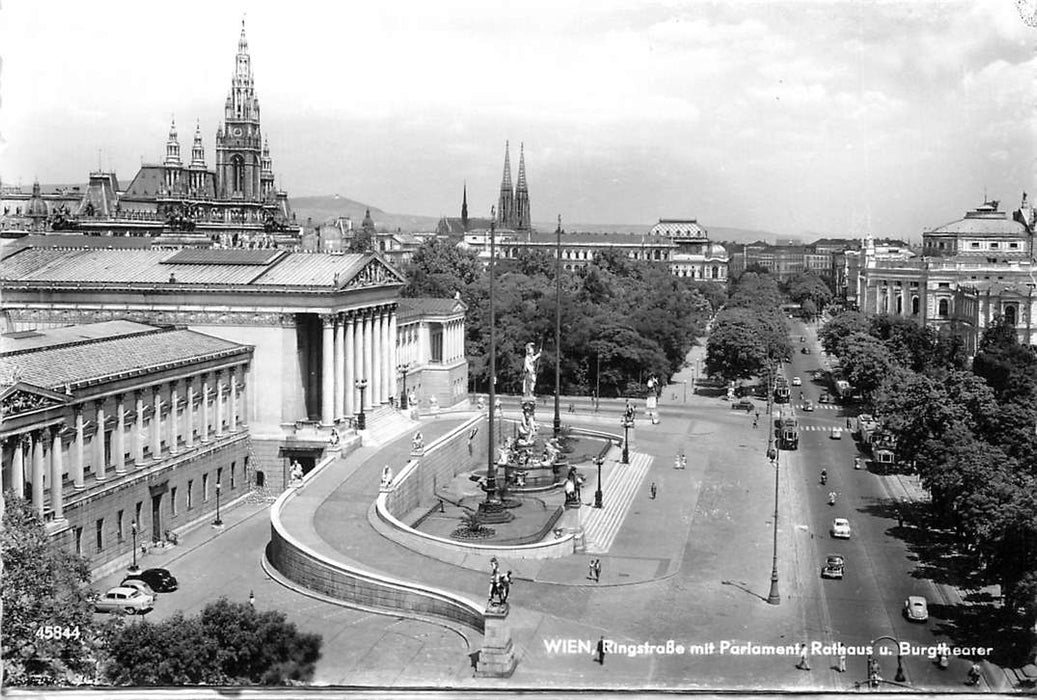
<point x="834" y="566"/>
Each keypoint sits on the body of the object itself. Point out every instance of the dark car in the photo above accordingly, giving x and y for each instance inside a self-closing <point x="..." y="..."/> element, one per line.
<point x="805" y="351"/>
<point x="824" y="398"/>
<point x="743" y="405"/>
<point x="834" y="567"/>
<point x="160" y="580"/>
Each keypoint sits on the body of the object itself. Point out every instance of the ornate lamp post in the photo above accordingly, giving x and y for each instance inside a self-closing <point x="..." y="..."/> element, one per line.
<point x="558" y="326"/>
<point x="628" y="423"/>
<point x="218" y="521"/>
<point x="597" y="494"/>
<point x="774" y="597"/>
<point x="402" y="369"/>
<point x="361" y="419"/>
<point x="873" y="664"/>
<point x="133" y="532"/>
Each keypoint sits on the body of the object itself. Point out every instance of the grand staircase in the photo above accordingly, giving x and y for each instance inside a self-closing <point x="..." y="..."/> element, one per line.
<point x="385" y="424"/>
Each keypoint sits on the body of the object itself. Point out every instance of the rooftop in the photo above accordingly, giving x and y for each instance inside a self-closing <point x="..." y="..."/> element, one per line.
<point x="117" y="348"/>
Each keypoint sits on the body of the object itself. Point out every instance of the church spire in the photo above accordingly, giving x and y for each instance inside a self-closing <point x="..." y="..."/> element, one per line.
<point x="521" y="211"/>
<point x="506" y="204"/>
<point x="198" y="150"/>
<point x="464" y="208"/>
<point x="172" y="146"/>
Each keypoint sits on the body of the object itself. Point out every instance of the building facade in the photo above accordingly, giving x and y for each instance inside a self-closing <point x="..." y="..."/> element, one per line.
<point x="181" y="201"/>
<point x="120" y="431"/>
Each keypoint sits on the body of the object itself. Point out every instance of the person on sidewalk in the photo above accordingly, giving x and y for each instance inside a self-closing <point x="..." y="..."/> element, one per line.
<point x="599" y="654"/>
<point x="597" y="570"/>
<point x="804" y="662"/>
<point x="252" y="598"/>
<point x="653" y="490"/>
<point x="684" y="461"/>
<point x="842" y="659"/>
<point x="756" y="423"/>
<point x="591" y="569"/>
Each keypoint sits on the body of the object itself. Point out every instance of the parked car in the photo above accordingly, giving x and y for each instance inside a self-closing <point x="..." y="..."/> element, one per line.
<point x="160" y="580"/>
<point x="808" y="405"/>
<point x="796" y="381"/>
<point x="139" y="585"/>
<point x="841" y="528"/>
<point x="744" y="405"/>
<point x="837" y="433"/>
<point x="123" y="599"/>
<point x="834" y="566"/>
<point x="805" y="351"/>
<point x="916" y="608"/>
<point x="824" y="398"/>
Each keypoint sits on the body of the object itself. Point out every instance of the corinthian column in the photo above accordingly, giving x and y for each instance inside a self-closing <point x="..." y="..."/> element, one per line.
<point x="377" y="358"/>
<point x="57" y="503"/>
<point x="368" y="351"/>
<point x="340" y="369"/>
<point x="327" y="375"/>
<point x="350" y="362"/>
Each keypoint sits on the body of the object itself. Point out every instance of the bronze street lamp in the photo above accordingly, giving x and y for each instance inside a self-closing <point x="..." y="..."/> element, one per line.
<point x="627" y="424"/>
<point x="402" y="369"/>
<point x="558" y="327"/>
<point x="361" y="419"/>
<point x="873" y="663"/>
<point x="218" y="521"/>
<point x="774" y="597"/>
<point x="597" y="494"/>
<point x="133" y="532"/>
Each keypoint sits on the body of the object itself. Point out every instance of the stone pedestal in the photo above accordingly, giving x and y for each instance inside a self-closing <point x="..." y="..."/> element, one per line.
<point x="497" y="657"/>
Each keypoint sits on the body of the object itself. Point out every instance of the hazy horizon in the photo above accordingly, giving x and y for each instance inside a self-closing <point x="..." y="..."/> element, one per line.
<point x="790" y="117"/>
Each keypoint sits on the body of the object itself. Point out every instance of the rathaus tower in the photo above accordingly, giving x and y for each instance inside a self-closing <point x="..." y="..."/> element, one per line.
<point x="243" y="166"/>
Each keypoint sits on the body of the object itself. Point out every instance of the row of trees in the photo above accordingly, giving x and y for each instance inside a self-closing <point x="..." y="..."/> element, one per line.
<point x="750" y="333"/>
<point x="970" y="433"/>
<point x="622" y="320"/>
<point x="50" y="634"/>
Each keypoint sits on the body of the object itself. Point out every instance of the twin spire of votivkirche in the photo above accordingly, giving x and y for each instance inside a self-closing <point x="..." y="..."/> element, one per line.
<point x="513" y="204"/>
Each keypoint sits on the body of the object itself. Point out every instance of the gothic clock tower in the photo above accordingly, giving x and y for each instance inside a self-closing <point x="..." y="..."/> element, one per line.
<point x="239" y="144"/>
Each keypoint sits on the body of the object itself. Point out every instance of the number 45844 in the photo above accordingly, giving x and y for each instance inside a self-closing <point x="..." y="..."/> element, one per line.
<point x="57" y="632"/>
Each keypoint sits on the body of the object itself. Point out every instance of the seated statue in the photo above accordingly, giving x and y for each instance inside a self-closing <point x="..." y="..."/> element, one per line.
<point x="386" y="476"/>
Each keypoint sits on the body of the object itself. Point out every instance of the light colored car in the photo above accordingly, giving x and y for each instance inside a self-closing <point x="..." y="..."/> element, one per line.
<point x="124" y="599"/>
<point x="916" y="608"/>
<point x="139" y="585"/>
<point x="808" y="405"/>
<point x="796" y="381"/>
<point x="837" y="433"/>
<point x="841" y="528"/>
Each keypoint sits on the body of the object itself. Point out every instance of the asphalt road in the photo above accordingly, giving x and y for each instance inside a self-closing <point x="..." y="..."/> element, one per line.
<point x="881" y="571"/>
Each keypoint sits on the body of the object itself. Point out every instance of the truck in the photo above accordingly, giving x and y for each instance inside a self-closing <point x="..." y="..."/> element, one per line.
<point x="786" y="429"/>
<point x="781" y="390"/>
<point x="841" y="388"/>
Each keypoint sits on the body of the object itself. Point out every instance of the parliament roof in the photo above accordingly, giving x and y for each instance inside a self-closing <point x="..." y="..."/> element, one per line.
<point x="413" y="308"/>
<point x="109" y="352"/>
<point x="255" y="269"/>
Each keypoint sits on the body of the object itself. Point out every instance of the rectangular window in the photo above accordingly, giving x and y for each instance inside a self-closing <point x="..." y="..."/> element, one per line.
<point x="233" y="476"/>
<point x="190" y="494"/>
<point x="974" y="245"/>
<point x="205" y="487"/>
<point x="118" y="526"/>
<point x="994" y="245"/>
<point x="100" y="534"/>
<point x="172" y="500"/>
<point x="1013" y="246"/>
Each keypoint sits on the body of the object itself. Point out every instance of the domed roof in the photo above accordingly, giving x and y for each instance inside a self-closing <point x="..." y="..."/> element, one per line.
<point x="715" y="250"/>
<point x="985" y="219"/>
<point x="36" y="206"/>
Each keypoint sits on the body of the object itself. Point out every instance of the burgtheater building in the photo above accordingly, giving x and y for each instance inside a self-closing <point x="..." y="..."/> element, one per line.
<point x="972" y="270"/>
<point x="319" y="323"/>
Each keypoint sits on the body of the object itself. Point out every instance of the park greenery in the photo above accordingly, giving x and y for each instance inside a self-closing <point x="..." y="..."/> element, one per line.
<point x="969" y="433"/>
<point x="51" y="635"/>
<point x="622" y="320"/>
<point x="750" y="334"/>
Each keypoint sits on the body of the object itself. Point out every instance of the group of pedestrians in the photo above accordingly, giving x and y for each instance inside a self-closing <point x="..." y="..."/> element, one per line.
<point x="594" y="570"/>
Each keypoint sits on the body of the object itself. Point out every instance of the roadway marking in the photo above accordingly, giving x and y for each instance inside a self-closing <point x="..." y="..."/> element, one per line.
<point x="601" y="525"/>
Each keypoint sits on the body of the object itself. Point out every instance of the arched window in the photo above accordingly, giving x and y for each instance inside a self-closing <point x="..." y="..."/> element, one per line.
<point x="914" y="306"/>
<point x="237" y="168"/>
<point x="716" y="272"/>
<point x="943" y="307"/>
<point x="1010" y="315"/>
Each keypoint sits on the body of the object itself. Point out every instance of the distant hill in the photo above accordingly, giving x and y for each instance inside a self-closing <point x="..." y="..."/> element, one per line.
<point x="324" y="208"/>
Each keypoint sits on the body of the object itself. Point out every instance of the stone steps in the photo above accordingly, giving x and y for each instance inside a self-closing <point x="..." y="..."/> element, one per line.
<point x="385" y="424"/>
<point x="601" y="525"/>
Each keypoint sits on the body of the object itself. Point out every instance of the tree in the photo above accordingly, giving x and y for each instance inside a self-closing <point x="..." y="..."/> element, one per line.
<point x="910" y="344"/>
<point x="841" y="327"/>
<point x="806" y="287"/>
<point x="866" y="362"/>
<point x="45" y="591"/>
<point x="226" y="644"/>
<point x="738" y="346"/>
<point x="439" y="268"/>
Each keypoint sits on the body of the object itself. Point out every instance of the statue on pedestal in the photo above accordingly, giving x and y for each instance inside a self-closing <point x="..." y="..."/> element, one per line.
<point x="527" y="426"/>
<point x="529" y="372"/>
<point x="418" y="443"/>
<point x="296" y="472"/>
<point x="386" y="476"/>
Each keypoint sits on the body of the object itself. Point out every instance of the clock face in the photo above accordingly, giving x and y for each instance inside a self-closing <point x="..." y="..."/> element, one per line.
<point x="237" y="131"/>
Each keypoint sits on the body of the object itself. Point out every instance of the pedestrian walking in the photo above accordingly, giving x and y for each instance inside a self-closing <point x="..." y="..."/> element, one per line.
<point x="252" y="599"/>
<point x="591" y="569"/>
<point x="572" y="408"/>
<point x="652" y="489"/>
<point x="599" y="655"/>
<point x="842" y="659"/>
<point x="804" y="662"/>
<point x="900" y="518"/>
<point x="597" y="570"/>
<point x="684" y="461"/>
<point x="676" y="461"/>
<point x="756" y="423"/>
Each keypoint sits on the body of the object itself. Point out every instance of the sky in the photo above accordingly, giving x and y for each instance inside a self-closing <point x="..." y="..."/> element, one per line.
<point x="839" y="118"/>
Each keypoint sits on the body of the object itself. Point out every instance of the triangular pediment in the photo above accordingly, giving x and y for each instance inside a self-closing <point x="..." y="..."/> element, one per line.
<point x="374" y="273"/>
<point x="24" y="398"/>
